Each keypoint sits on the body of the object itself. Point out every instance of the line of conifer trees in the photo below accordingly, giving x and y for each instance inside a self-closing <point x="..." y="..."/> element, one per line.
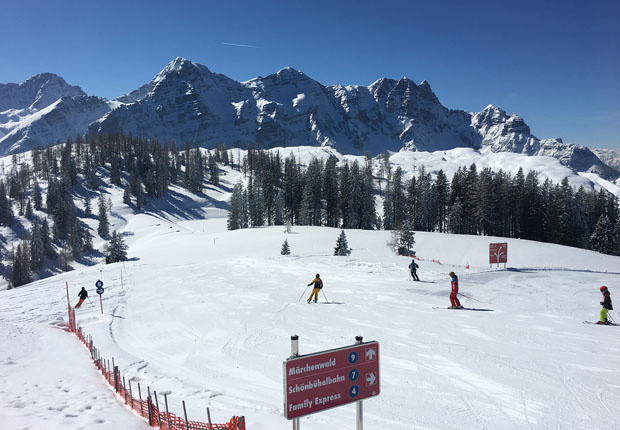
<point x="472" y="202"/>
<point x="44" y="187"/>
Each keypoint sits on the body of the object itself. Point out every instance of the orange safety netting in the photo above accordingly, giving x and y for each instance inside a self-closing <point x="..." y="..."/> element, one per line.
<point x="146" y="408"/>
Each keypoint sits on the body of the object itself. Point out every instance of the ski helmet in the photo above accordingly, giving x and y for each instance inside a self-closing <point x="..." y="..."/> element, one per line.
<point x="603" y="288"/>
<point x="318" y="276"/>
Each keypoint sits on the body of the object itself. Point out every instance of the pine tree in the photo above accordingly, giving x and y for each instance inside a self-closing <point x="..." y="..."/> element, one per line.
<point x="47" y="239"/>
<point x="616" y="238"/>
<point x="37" y="247"/>
<point x="214" y="174"/>
<point x="602" y="238"/>
<point x="407" y="239"/>
<point x="19" y="270"/>
<point x="368" y="219"/>
<point x="139" y="196"/>
<point x="88" y="210"/>
<point x="342" y="247"/>
<point x="278" y="210"/>
<point x="6" y="212"/>
<point x="441" y="191"/>
<point x="286" y="250"/>
<point x="126" y="195"/>
<point x="237" y="216"/>
<point x="255" y="203"/>
<point x="330" y="192"/>
<point x="36" y="196"/>
<point x="29" y="211"/>
<point x="117" y="249"/>
<point x="104" y="228"/>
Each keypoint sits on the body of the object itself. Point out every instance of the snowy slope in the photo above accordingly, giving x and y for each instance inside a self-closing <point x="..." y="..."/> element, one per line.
<point x="205" y="314"/>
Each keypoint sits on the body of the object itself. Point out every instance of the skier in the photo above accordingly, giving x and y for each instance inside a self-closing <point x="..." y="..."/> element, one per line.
<point x="606" y="303"/>
<point x="414" y="266"/>
<point x="82" y="294"/>
<point x="454" y="300"/>
<point x="318" y="284"/>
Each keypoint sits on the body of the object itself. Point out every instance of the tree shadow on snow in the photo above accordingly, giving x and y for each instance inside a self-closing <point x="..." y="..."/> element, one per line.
<point x="180" y="206"/>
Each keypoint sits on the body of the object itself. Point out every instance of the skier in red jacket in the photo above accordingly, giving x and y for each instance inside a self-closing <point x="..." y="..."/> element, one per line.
<point x="454" y="300"/>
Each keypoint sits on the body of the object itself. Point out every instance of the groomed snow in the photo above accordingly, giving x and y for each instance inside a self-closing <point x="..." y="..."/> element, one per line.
<point x="206" y="315"/>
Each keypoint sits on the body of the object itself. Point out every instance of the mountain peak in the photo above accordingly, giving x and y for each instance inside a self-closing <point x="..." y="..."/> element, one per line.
<point x="176" y="65"/>
<point x="289" y="72"/>
<point x="44" y="76"/>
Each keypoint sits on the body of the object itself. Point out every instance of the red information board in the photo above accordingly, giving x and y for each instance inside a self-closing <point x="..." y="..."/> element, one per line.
<point x="327" y="379"/>
<point x="498" y="253"/>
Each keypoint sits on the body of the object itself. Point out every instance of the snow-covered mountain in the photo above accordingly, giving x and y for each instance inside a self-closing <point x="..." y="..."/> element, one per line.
<point x="43" y="110"/>
<point x="609" y="156"/>
<point x="186" y="102"/>
<point x="36" y="92"/>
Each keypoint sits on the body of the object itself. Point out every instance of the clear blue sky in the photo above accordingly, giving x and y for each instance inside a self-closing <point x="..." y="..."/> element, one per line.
<point x="555" y="63"/>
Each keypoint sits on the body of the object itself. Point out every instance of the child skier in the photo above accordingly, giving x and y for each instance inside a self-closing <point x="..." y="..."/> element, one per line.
<point x="82" y="294"/>
<point x="318" y="284"/>
<point x="454" y="300"/>
<point x="413" y="267"/>
<point x="606" y="303"/>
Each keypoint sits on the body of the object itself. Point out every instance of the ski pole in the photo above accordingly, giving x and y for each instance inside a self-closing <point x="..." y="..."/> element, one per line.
<point x="90" y="301"/>
<point x="302" y="294"/>
<point x="460" y="294"/>
<point x="324" y="295"/>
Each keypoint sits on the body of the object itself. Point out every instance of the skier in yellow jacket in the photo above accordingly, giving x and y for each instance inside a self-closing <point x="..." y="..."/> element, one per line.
<point x="318" y="284"/>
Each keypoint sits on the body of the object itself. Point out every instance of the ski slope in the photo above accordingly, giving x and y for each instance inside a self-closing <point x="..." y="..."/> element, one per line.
<point x="205" y="315"/>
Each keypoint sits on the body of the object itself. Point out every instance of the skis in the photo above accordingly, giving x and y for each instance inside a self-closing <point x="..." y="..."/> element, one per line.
<point x="595" y="323"/>
<point x="464" y="309"/>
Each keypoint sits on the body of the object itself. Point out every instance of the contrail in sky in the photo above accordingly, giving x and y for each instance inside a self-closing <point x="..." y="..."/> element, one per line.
<point x="241" y="45"/>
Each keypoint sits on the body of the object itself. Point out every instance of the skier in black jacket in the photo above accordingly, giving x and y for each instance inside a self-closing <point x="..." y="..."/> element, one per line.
<point x="414" y="267"/>
<point x="82" y="294"/>
<point x="607" y="306"/>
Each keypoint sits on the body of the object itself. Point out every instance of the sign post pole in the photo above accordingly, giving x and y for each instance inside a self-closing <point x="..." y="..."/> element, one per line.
<point x="359" y="411"/>
<point x="295" y="353"/>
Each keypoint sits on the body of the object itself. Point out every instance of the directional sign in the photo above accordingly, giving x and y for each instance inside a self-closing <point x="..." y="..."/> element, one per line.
<point x="498" y="253"/>
<point x="100" y="290"/>
<point x="327" y="379"/>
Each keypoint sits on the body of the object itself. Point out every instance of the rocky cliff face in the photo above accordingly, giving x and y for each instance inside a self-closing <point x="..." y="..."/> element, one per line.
<point x="43" y="110"/>
<point x="186" y="102"/>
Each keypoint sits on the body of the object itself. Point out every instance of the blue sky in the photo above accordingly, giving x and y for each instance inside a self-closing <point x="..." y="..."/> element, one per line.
<point x="555" y="63"/>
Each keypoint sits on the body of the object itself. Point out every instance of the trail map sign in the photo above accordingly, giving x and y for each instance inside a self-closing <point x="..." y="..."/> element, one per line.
<point x="327" y="379"/>
<point x="498" y="253"/>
